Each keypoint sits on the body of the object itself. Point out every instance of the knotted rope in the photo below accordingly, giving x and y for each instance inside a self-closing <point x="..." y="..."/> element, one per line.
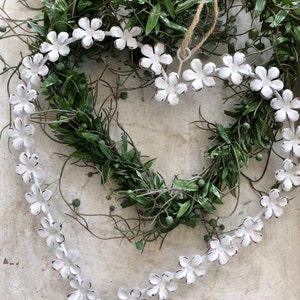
<point x="187" y="39"/>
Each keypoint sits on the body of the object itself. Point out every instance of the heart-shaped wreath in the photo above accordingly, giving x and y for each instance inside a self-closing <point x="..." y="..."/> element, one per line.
<point x="74" y="31"/>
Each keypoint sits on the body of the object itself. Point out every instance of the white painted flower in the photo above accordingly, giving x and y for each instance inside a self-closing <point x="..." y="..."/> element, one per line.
<point x="58" y="45"/>
<point x="83" y="290"/>
<point x="266" y="81"/>
<point x="28" y="168"/>
<point x="38" y="199"/>
<point x="169" y="89"/>
<point x="122" y="11"/>
<point x="200" y="75"/>
<point x="51" y="232"/>
<point x="21" y="134"/>
<point x="155" y="58"/>
<point x="221" y="249"/>
<point x="35" y="68"/>
<point x="190" y="268"/>
<point x="286" y="107"/>
<point x="162" y="285"/>
<point x="273" y="204"/>
<point x="289" y="176"/>
<point x="235" y="67"/>
<point x="125" y="37"/>
<point x="134" y="294"/>
<point x="89" y="32"/>
<point x="291" y="143"/>
<point x="249" y="231"/>
<point x="22" y="100"/>
<point x="66" y="263"/>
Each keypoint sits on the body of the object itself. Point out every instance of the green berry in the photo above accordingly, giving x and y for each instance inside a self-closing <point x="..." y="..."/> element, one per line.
<point x="76" y="202"/>
<point x="253" y="34"/>
<point x="169" y="220"/>
<point x="213" y="223"/>
<point x="249" y="43"/>
<point x="60" y="66"/>
<point x="207" y="237"/>
<point x="201" y="182"/>
<point x="222" y="227"/>
<point x="246" y="126"/>
<point x="2" y="28"/>
<point x="259" y="157"/>
<point x="124" y="95"/>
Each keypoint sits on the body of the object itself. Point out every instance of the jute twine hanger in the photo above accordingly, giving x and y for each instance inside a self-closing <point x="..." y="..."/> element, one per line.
<point x="187" y="39"/>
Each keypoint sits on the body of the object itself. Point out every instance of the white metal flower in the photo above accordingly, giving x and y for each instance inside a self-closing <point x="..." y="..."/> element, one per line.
<point x="235" y="67"/>
<point x="200" y="75"/>
<point x="89" y="31"/>
<point x="273" y="204"/>
<point x="190" y="268"/>
<point x="38" y="199"/>
<point x="22" y="100"/>
<point x="289" y="176"/>
<point x="66" y="262"/>
<point x="83" y="290"/>
<point x="28" y="168"/>
<point x="250" y="231"/>
<point x="169" y="89"/>
<point x="58" y="45"/>
<point x="155" y="58"/>
<point x="286" y="106"/>
<point x="35" y="68"/>
<point x="21" y="134"/>
<point x="162" y="285"/>
<point x="221" y="249"/>
<point x="125" y="37"/>
<point x="266" y="81"/>
<point x="51" y="232"/>
<point x="122" y="11"/>
<point x="134" y="294"/>
<point x="291" y="141"/>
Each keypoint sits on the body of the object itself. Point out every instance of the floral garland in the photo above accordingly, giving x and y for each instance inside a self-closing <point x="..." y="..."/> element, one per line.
<point x="169" y="88"/>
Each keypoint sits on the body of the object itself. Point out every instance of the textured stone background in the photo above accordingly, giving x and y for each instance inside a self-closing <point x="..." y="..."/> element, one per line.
<point x="269" y="270"/>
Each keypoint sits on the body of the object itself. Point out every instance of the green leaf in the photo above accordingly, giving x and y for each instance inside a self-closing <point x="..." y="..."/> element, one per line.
<point x="128" y="202"/>
<point x="82" y="5"/>
<point x="148" y="164"/>
<point x="173" y="25"/>
<point x="183" y="6"/>
<point x="183" y="208"/>
<point x="280" y="17"/>
<point x="40" y="30"/>
<point x="215" y="191"/>
<point x="124" y="147"/>
<point x="223" y="134"/>
<point x="206" y="204"/>
<point x="170" y="7"/>
<point x="259" y="7"/>
<point x="52" y="79"/>
<point x="141" y="200"/>
<point x="185" y="185"/>
<point x="153" y="18"/>
<point x="296" y="34"/>
<point x="61" y="5"/>
<point x="105" y="150"/>
<point x="90" y="137"/>
<point x="106" y="172"/>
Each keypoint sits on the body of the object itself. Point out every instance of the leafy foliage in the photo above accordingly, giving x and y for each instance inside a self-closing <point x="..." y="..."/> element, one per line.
<point x="252" y="130"/>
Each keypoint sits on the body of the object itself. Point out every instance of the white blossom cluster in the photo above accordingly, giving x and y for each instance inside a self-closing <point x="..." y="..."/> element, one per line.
<point x="169" y="87"/>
